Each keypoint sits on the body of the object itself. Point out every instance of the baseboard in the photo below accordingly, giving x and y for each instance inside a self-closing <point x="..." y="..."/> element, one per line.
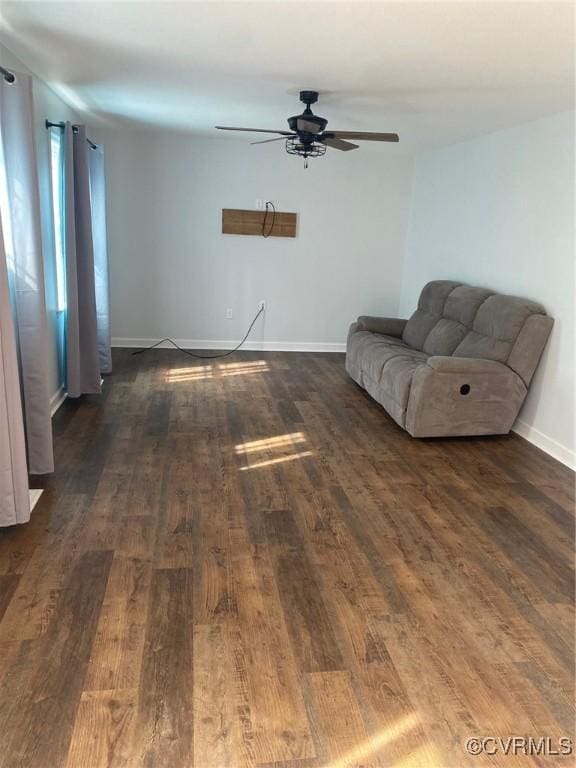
<point x="545" y="443"/>
<point x="249" y="346"/>
<point x="56" y="400"/>
<point x="35" y="494"/>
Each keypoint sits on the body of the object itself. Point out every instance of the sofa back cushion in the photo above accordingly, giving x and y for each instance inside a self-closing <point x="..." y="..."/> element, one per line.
<point x="430" y="306"/>
<point x="458" y="312"/>
<point x="464" y="321"/>
<point x="496" y="326"/>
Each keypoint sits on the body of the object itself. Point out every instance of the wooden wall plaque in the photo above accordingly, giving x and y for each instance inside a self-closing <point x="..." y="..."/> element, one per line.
<point x="239" y="222"/>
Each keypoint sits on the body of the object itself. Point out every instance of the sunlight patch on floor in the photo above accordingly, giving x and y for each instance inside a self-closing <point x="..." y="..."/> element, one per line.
<point x="235" y="368"/>
<point x="244" y="372"/>
<point x="268" y="449"/>
<point x="281" y="441"/>
<point x="220" y="370"/>
<point x="195" y="373"/>
<point x="372" y="747"/>
<point x="279" y="460"/>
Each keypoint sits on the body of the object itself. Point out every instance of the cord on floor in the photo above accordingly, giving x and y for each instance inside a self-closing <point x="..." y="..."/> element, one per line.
<point x="194" y="354"/>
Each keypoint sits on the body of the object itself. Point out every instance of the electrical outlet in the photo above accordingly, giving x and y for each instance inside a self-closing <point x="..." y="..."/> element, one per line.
<point x="229" y="313"/>
<point x="260" y="205"/>
<point x="262" y="305"/>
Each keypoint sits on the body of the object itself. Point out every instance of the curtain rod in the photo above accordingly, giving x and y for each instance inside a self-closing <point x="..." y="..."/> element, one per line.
<point x="74" y="128"/>
<point x="10" y="77"/>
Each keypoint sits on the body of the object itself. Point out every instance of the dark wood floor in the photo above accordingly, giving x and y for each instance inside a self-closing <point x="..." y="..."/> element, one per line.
<point x="245" y="562"/>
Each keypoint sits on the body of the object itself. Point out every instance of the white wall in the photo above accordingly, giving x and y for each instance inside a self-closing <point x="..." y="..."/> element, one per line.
<point x="174" y="274"/>
<point x="498" y="211"/>
<point x="46" y="105"/>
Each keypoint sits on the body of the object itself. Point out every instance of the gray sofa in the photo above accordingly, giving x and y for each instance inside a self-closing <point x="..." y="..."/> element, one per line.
<point x="461" y="365"/>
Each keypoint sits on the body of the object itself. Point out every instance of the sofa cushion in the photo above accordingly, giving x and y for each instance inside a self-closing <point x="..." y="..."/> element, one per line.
<point x="418" y="327"/>
<point x="503" y="316"/>
<point x="376" y="364"/>
<point x="430" y="308"/>
<point x="361" y="345"/>
<point x="397" y="375"/>
<point x="476" y="344"/>
<point x="463" y="303"/>
<point x="392" y="390"/>
<point x="434" y="295"/>
<point x="496" y="326"/>
<point x="444" y="337"/>
<point x="384" y="366"/>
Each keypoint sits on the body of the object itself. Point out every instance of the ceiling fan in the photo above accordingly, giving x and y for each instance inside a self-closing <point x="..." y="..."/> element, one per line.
<point x="308" y="136"/>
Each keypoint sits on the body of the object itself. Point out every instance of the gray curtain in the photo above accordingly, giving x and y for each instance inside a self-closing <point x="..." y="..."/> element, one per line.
<point x="98" y="200"/>
<point x="82" y="357"/>
<point x="14" y="495"/>
<point x="23" y="246"/>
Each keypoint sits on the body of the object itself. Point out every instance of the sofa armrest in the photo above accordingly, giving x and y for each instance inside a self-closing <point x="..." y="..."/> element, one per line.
<point x="452" y="396"/>
<point x="389" y="326"/>
<point x="467" y="365"/>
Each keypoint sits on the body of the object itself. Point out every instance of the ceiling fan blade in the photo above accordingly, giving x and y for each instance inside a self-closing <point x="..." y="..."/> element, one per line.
<point x="307" y="126"/>
<point x="335" y="143"/>
<point x="276" y="138"/>
<point x="364" y="136"/>
<point x="252" y="130"/>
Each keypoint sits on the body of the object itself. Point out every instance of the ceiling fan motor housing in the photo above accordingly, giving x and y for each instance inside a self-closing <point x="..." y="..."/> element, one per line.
<point x="309" y="97"/>
<point x="314" y="124"/>
<point x="319" y="122"/>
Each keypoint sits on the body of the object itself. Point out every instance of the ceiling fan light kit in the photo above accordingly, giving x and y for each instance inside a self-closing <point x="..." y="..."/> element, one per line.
<point x="308" y="136"/>
<point x="294" y="146"/>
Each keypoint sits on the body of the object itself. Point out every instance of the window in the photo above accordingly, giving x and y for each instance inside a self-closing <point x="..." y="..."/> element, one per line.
<point x="56" y="175"/>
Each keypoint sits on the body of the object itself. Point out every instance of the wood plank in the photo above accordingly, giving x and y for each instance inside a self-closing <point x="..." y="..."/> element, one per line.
<point x="278" y="728"/>
<point x="308" y="621"/>
<point x="33" y="602"/>
<point x="103" y="730"/>
<point x="236" y="221"/>
<point x="343" y="730"/>
<point x="8" y="584"/>
<point x="174" y="545"/>
<point x="163" y="730"/>
<point x="38" y="732"/>
<point x="116" y="655"/>
<point x="220" y="708"/>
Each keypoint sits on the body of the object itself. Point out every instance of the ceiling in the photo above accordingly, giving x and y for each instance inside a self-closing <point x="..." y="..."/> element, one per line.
<point x="434" y="72"/>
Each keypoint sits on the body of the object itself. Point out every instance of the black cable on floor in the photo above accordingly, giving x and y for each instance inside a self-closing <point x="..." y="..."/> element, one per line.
<point x="202" y="357"/>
